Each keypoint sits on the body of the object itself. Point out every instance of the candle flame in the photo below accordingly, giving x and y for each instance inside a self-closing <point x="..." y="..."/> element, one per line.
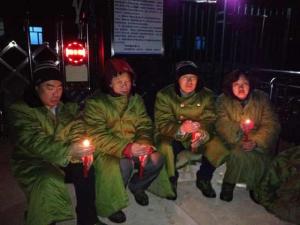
<point x="247" y="121"/>
<point x="86" y="143"/>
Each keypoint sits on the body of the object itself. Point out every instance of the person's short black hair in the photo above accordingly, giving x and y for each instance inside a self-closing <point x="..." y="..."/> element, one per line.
<point x="234" y="76"/>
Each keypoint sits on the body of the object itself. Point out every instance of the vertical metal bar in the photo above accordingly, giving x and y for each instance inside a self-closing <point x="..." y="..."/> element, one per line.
<point x="214" y="38"/>
<point x="286" y="36"/>
<point x="88" y="55"/>
<point x="188" y="31"/>
<point x="195" y="31"/>
<point x="61" y="32"/>
<point x="28" y="45"/>
<point x="223" y="37"/>
<point x="262" y="28"/>
<point x="207" y="38"/>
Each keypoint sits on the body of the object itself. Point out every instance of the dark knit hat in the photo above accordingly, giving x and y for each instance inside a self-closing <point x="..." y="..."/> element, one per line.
<point x="46" y="71"/>
<point x="186" y="67"/>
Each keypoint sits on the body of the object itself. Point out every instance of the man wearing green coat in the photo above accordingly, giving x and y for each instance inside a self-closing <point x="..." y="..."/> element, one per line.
<point x="122" y="132"/>
<point x="184" y="120"/>
<point x="47" y="139"/>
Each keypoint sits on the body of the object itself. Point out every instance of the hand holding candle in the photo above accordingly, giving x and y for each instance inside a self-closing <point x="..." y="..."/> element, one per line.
<point x="88" y="159"/>
<point x="143" y="160"/>
<point x="247" y="125"/>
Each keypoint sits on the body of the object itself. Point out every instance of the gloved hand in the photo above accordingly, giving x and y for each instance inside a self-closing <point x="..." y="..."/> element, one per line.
<point x="188" y="126"/>
<point x="78" y="150"/>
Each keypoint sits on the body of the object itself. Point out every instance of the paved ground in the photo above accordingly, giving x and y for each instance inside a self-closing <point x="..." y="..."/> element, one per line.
<point x="191" y="208"/>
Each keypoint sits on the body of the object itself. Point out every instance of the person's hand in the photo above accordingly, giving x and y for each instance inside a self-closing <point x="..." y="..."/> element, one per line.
<point x="248" y="145"/>
<point x="78" y="150"/>
<point x="140" y="149"/>
<point x="188" y="126"/>
<point x="197" y="139"/>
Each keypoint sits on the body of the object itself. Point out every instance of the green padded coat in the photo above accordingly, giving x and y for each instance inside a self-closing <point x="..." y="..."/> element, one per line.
<point x="241" y="166"/>
<point x="41" y="148"/>
<point x="171" y="110"/>
<point x="112" y="123"/>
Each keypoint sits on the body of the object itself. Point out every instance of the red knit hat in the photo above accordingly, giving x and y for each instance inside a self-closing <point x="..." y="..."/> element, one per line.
<point x="112" y="68"/>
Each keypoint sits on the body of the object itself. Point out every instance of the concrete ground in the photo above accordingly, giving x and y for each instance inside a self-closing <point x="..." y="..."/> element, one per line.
<point x="191" y="207"/>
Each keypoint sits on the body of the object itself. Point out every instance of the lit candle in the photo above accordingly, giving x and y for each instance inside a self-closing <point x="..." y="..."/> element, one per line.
<point x="247" y="126"/>
<point x="86" y="143"/>
<point x="86" y="160"/>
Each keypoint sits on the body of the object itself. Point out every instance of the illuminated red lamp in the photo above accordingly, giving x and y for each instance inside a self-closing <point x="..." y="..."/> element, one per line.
<point x="75" y="53"/>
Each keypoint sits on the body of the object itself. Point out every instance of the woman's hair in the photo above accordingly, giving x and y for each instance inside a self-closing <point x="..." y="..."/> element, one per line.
<point x="234" y="76"/>
<point x="113" y="67"/>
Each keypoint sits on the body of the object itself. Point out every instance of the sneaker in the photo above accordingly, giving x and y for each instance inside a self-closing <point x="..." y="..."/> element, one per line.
<point x="206" y="188"/>
<point x="118" y="217"/>
<point x="141" y="197"/>
<point x="227" y="192"/>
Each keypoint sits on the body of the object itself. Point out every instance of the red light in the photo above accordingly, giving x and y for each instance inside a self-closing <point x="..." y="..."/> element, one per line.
<point x="75" y="53"/>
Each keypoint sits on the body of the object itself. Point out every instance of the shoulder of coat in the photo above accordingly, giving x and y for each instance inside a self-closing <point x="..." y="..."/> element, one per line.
<point x="21" y="106"/>
<point x="260" y="95"/>
<point x="167" y="89"/>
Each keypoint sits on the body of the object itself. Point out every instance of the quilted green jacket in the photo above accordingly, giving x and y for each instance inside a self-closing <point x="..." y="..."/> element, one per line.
<point x="41" y="148"/>
<point x="279" y="191"/>
<point x="247" y="167"/>
<point x="171" y="110"/>
<point x="112" y="123"/>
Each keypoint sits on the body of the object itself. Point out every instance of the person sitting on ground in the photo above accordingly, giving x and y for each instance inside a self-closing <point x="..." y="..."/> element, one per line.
<point x="122" y="132"/>
<point x="47" y="139"/>
<point x="184" y="120"/>
<point x="249" y="126"/>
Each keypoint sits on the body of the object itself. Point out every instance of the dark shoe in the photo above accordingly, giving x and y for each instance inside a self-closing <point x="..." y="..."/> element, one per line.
<point x="118" y="217"/>
<point x="173" y="181"/>
<point x="227" y="192"/>
<point x="252" y="196"/>
<point x="141" y="198"/>
<point x="206" y="188"/>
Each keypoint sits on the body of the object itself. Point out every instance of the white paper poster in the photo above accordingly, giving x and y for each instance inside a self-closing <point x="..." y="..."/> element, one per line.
<point x="138" y="27"/>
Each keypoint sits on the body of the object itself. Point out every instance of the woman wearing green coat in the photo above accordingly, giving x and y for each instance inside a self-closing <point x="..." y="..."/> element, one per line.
<point x="47" y="141"/>
<point x="184" y="120"/>
<point x="121" y="130"/>
<point x="249" y="127"/>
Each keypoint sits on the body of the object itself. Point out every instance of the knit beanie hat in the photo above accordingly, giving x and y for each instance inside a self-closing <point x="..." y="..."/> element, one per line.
<point x="46" y="71"/>
<point x="186" y="67"/>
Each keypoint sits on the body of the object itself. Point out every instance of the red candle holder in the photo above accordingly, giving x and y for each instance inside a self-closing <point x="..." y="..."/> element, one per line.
<point x="143" y="160"/>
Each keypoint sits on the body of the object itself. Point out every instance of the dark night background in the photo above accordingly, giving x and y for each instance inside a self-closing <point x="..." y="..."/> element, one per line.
<point x="269" y="46"/>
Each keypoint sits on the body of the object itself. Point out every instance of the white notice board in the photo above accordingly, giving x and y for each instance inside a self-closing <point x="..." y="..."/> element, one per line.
<point x="138" y="27"/>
